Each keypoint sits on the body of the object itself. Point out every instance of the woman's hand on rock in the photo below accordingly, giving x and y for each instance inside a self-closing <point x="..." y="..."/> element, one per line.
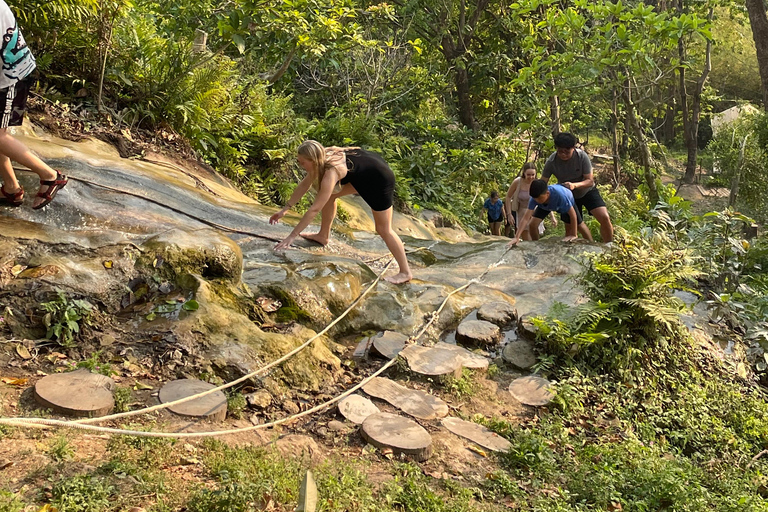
<point x="285" y="243"/>
<point x="276" y="217"/>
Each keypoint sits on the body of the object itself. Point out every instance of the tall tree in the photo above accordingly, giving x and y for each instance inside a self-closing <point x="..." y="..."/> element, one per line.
<point x="759" y="22"/>
<point x="453" y="27"/>
<point x="691" y="107"/>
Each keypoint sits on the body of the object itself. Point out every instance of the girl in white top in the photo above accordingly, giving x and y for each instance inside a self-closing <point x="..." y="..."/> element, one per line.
<point x="518" y="196"/>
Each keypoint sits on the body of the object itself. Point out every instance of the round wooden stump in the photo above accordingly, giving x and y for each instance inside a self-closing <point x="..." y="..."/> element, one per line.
<point x="213" y="406"/>
<point x="478" y="333"/>
<point x="402" y="435"/>
<point x="433" y="361"/>
<point x="78" y="393"/>
<point x="388" y="344"/>
<point x="477" y="434"/>
<point x="519" y="354"/>
<point x="525" y="328"/>
<point x="499" y="313"/>
<point x="531" y="390"/>
<point x="411" y="401"/>
<point x="357" y="408"/>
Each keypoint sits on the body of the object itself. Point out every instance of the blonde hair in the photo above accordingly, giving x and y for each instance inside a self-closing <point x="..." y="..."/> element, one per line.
<point x="322" y="158"/>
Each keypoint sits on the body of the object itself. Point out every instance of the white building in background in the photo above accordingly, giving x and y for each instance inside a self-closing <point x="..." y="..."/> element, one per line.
<point x="728" y="116"/>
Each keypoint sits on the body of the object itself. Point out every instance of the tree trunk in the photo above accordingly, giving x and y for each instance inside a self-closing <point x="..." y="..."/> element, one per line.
<point x="466" y="112"/>
<point x="454" y="57"/>
<point x="736" y="182"/>
<point x="759" y="22"/>
<point x="692" y="116"/>
<point x="668" y="133"/>
<point x="615" y="138"/>
<point x="554" y="110"/>
<point x="645" y="152"/>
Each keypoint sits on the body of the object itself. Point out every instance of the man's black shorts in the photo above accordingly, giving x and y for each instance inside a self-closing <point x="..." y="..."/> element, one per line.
<point x="590" y="201"/>
<point x="13" y="101"/>
<point x="540" y="213"/>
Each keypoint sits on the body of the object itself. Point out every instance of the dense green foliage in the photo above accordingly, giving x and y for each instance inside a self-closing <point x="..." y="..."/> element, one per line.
<point x="456" y="96"/>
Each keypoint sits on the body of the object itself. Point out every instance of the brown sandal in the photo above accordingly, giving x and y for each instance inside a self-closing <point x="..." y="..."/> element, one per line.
<point x="15" y="199"/>
<point x="53" y="188"/>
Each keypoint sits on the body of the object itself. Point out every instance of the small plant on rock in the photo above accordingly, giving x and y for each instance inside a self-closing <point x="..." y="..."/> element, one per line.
<point x="64" y="317"/>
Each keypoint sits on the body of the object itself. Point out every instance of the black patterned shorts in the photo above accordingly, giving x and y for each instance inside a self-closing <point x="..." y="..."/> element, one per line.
<point x="14" y="102"/>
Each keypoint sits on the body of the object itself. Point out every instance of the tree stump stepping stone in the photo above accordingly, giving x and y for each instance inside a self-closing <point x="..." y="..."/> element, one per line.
<point x="411" y="401"/>
<point x="402" y="435"/>
<point x="498" y="313"/>
<point x="433" y="361"/>
<point x="531" y="390"/>
<point x="478" y="333"/>
<point x="469" y="358"/>
<point x="525" y="328"/>
<point x="213" y="406"/>
<point x="519" y="353"/>
<point x="356" y="408"/>
<point x="477" y="434"/>
<point x="78" y="393"/>
<point x="388" y="344"/>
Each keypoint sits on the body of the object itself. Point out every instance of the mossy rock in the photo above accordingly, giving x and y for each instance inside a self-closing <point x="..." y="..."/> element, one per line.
<point x="206" y="252"/>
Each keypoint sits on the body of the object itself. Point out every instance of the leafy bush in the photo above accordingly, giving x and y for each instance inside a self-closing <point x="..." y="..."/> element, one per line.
<point x="64" y="316"/>
<point x="82" y="493"/>
<point x="631" y="316"/>
<point x="10" y="502"/>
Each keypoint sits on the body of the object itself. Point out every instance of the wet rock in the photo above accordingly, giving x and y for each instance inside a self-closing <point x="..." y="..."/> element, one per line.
<point x="498" y="313"/>
<point x="400" y="434"/>
<point x="388" y="344"/>
<point x="206" y="252"/>
<point x="260" y="398"/>
<point x="531" y="390"/>
<point x="478" y="333"/>
<point x="519" y="354"/>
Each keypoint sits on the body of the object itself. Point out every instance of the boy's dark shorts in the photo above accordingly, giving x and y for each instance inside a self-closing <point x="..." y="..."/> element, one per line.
<point x="590" y="201"/>
<point x="541" y="213"/>
<point x="13" y="101"/>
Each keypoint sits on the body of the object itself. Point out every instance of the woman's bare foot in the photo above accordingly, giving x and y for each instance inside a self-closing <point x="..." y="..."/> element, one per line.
<point x="315" y="237"/>
<point x="400" y="278"/>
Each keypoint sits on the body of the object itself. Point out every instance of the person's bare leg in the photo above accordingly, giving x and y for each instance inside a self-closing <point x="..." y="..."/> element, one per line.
<point x="526" y="235"/>
<point x="496" y="228"/>
<point x="533" y="228"/>
<point x="10" y="183"/>
<point x="18" y="152"/>
<point x="585" y="232"/>
<point x="606" y="227"/>
<point x="327" y="215"/>
<point x="383" y="222"/>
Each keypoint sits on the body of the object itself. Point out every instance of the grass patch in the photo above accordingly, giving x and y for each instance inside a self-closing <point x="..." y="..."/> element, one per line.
<point x="461" y="387"/>
<point x="60" y="449"/>
<point x="82" y="493"/>
<point x="10" y="502"/>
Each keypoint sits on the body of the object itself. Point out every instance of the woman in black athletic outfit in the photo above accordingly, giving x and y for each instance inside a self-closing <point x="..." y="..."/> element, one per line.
<point x="339" y="172"/>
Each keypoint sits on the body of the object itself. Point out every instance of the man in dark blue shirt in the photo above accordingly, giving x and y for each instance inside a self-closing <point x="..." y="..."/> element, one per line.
<point x="545" y="199"/>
